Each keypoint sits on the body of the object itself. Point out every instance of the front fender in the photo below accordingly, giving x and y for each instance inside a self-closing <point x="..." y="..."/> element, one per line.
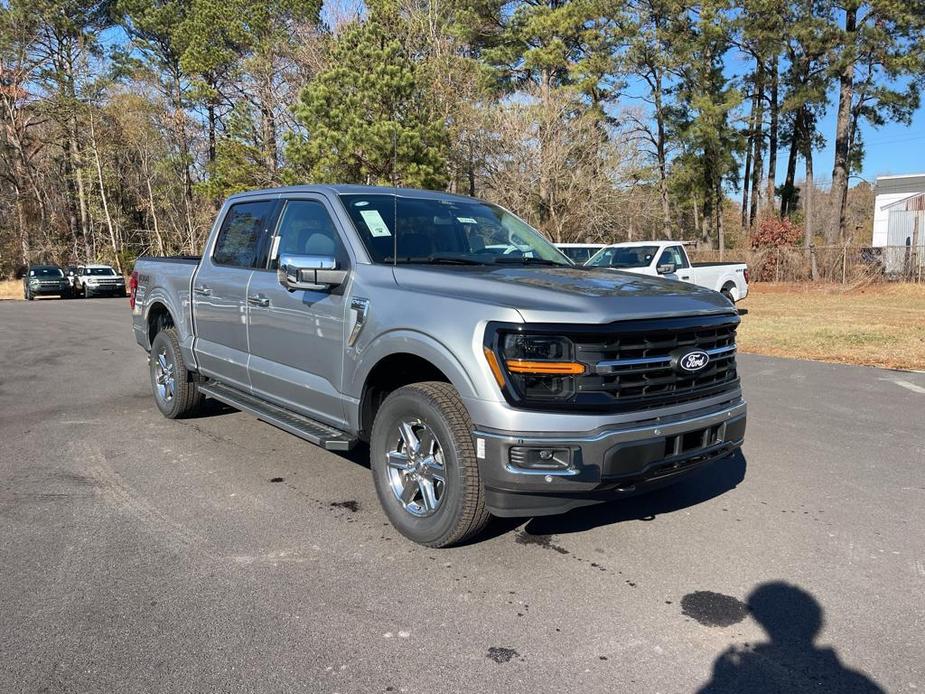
<point x="419" y="344"/>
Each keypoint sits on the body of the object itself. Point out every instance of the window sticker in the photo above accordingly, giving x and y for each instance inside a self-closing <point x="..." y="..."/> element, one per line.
<point x="466" y="220"/>
<point x="375" y="223"/>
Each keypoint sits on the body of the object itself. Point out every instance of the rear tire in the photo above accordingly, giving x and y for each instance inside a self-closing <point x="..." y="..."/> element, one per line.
<point x="431" y="415"/>
<point x="176" y="393"/>
<point x="728" y="293"/>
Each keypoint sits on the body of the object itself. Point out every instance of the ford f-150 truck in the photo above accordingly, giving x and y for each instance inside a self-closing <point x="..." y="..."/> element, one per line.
<point x="512" y="384"/>
<point x="669" y="259"/>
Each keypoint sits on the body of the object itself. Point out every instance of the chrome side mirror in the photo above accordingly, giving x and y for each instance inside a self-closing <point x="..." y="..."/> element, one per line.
<point x="314" y="272"/>
<point x="665" y="268"/>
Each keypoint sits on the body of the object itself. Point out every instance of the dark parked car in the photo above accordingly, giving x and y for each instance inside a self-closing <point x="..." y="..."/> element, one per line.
<point x="44" y="280"/>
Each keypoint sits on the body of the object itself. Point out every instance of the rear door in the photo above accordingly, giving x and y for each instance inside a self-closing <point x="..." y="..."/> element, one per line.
<point x="297" y="337"/>
<point x="220" y="290"/>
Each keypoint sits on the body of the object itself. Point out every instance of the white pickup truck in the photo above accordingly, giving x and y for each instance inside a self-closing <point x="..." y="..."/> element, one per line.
<point x="669" y="259"/>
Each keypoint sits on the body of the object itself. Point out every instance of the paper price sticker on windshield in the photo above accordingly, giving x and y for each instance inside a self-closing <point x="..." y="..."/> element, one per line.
<point x="375" y="223"/>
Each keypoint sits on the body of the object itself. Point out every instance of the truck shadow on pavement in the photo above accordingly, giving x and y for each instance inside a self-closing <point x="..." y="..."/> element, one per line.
<point x="713" y="480"/>
<point x="790" y="661"/>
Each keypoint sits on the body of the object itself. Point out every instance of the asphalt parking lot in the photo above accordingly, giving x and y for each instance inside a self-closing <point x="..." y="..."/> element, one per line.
<point x="139" y="554"/>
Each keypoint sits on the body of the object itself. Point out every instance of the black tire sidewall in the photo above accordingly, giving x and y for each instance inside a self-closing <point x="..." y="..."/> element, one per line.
<point x="408" y="404"/>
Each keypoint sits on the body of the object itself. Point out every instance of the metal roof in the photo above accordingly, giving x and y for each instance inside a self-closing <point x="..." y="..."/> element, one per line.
<point x="907" y="183"/>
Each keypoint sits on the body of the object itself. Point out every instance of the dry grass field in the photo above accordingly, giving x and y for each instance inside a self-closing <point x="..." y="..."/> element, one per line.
<point x="10" y="289"/>
<point x="875" y="325"/>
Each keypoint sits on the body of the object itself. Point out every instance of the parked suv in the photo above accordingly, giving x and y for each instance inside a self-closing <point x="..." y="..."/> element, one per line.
<point x="93" y="280"/>
<point x="45" y="280"/>
<point x="513" y="383"/>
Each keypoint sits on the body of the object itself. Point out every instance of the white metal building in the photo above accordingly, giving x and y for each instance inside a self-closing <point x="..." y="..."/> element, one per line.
<point x="899" y="222"/>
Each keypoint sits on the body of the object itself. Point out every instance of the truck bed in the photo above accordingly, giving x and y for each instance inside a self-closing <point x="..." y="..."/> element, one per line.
<point x="714" y="264"/>
<point x="186" y="259"/>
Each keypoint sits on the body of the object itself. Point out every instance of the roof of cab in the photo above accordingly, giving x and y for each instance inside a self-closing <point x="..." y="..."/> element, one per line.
<point x="352" y="189"/>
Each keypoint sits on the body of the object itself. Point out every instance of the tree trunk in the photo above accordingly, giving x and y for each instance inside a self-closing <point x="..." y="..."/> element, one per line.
<point x="773" y="134"/>
<point x="99" y="174"/>
<point x="843" y="134"/>
<point x="808" y="195"/>
<point x="749" y="147"/>
<point x="755" y="203"/>
<point x="788" y="190"/>
<point x="720" y="230"/>
<point x="661" y="154"/>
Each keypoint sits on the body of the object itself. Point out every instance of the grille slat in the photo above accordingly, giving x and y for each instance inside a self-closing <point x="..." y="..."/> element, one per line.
<point x="647" y="380"/>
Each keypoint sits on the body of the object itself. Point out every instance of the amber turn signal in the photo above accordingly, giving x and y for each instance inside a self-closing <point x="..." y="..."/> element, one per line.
<point x="545" y="368"/>
<point x="494" y="365"/>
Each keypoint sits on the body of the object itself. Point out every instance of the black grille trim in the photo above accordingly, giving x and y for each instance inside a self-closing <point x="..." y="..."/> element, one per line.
<point x="642" y="386"/>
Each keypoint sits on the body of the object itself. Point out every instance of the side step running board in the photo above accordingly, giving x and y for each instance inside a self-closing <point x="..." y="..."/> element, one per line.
<point x="309" y="429"/>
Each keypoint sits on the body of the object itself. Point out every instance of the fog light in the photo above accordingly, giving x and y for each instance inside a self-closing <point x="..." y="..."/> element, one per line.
<point x="540" y="458"/>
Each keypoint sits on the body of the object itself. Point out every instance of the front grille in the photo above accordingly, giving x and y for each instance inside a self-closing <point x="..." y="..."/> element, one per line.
<point x="631" y="367"/>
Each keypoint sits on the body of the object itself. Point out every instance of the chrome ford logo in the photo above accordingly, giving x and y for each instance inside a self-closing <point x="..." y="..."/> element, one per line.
<point x="694" y="361"/>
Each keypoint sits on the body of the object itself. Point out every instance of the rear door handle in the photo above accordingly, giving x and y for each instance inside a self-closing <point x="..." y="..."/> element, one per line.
<point x="685" y="277"/>
<point x="202" y="290"/>
<point x="258" y="301"/>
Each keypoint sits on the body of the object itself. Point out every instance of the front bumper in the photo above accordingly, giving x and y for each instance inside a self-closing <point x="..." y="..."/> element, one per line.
<point x="49" y="290"/>
<point x="105" y="288"/>
<point x="604" y="464"/>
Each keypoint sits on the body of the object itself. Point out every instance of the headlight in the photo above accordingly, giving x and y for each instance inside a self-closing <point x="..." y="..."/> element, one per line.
<point x="537" y="367"/>
<point x="33" y="283"/>
<point x="92" y="280"/>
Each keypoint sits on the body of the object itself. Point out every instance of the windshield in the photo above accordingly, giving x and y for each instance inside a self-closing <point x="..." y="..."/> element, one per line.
<point x="624" y="257"/>
<point x="101" y="271"/>
<point x="46" y="272"/>
<point x="446" y="230"/>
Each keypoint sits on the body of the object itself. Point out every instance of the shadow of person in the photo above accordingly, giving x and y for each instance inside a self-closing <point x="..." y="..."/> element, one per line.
<point x="713" y="480"/>
<point x="790" y="661"/>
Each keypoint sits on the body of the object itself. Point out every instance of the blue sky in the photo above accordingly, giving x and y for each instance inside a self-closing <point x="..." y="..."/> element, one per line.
<point x="892" y="149"/>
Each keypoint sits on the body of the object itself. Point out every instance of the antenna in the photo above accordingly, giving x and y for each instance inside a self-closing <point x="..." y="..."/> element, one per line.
<point x="394" y="196"/>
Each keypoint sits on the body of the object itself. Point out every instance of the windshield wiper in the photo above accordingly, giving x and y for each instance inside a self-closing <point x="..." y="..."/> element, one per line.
<point x="526" y="260"/>
<point x="437" y="259"/>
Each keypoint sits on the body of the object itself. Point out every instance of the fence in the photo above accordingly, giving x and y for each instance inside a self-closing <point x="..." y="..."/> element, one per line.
<point x="839" y="264"/>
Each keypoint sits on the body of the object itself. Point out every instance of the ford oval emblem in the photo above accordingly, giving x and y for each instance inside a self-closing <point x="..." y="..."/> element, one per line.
<point x="694" y="361"/>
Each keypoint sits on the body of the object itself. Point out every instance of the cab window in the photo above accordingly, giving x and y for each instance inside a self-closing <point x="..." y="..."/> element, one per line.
<point x="306" y="228"/>
<point x="242" y="240"/>
<point x="675" y="256"/>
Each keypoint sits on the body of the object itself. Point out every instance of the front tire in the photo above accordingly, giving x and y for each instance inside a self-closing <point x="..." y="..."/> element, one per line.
<point x="29" y="296"/>
<point x="175" y="392"/>
<point x="424" y="465"/>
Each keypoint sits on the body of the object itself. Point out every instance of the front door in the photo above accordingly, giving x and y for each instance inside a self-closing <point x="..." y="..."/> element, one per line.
<point x="297" y="337"/>
<point x="220" y="291"/>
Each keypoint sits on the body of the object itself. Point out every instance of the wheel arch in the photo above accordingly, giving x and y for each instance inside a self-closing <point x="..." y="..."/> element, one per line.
<point x="399" y="359"/>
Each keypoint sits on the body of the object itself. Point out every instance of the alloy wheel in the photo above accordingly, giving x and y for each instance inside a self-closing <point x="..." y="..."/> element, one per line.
<point x="165" y="376"/>
<point x="416" y="470"/>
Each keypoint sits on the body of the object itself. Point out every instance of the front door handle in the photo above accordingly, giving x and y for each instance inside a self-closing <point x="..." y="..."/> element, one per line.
<point x="261" y="301"/>
<point x="202" y="290"/>
<point x="685" y="277"/>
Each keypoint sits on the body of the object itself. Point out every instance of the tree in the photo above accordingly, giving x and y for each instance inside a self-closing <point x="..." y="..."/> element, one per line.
<point x="709" y="140"/>
<point x="369" y="118"/>
<point x="652" y="55"/>
<point x="879" y="63"/>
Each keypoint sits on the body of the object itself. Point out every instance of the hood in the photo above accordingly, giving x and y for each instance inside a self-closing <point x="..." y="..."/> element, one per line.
<point x="564" y="295"/>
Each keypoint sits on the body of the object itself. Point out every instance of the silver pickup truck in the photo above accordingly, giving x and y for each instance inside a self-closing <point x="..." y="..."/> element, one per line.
<point x="486" y="383"/>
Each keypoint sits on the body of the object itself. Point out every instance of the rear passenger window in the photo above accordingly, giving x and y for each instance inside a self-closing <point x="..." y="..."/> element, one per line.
<point x="242" y="239"/>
